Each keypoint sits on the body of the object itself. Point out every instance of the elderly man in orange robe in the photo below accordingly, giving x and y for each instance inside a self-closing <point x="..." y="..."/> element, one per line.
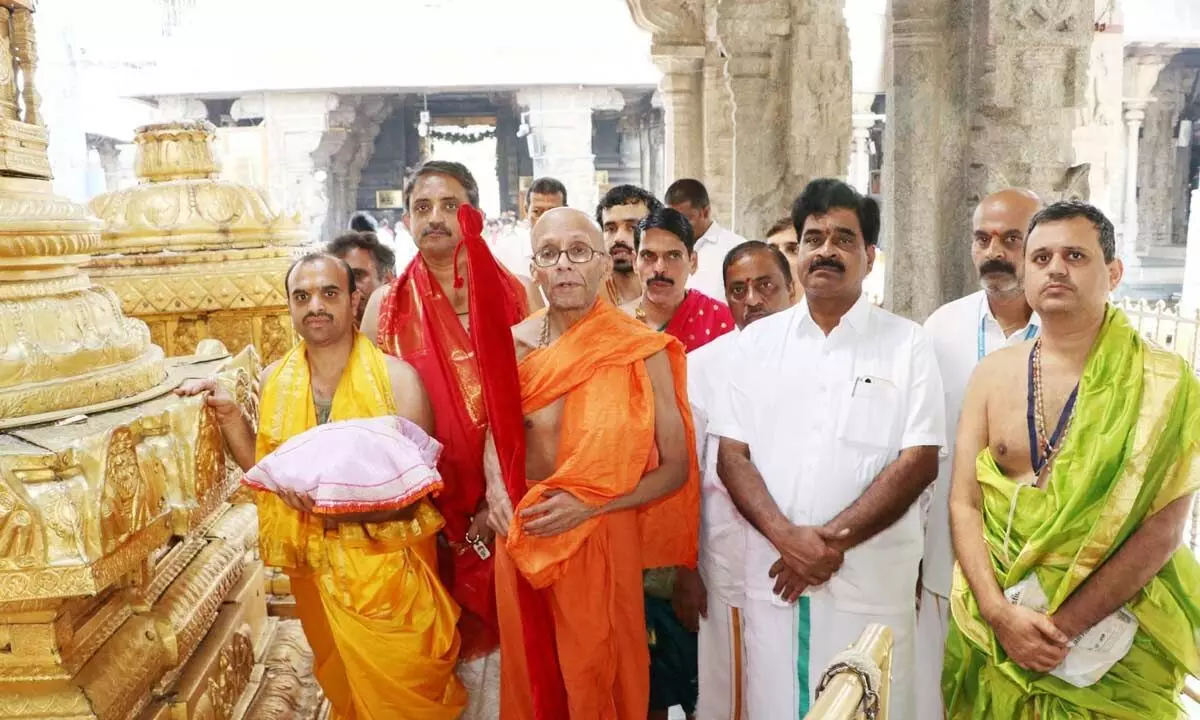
<point x="428" y="318"/>
<point x="611" y="483"/>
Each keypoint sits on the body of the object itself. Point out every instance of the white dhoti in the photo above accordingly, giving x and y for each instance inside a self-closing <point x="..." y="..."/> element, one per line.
<point x="722" y="663"/>
<point x="481" y="678"/>
<point x="933" y="622"/>
<point x="789" y="647"/>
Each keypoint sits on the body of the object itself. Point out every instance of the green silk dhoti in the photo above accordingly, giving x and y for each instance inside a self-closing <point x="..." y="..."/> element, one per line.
<point x="1133" y="447"/>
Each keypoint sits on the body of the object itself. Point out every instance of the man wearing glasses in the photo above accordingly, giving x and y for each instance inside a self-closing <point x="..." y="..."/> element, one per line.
<point x="612" y="483"/>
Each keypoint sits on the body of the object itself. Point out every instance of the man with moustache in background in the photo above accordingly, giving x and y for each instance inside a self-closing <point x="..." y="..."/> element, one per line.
<point x="963" y="332"/>
<point x="758" y="283"/>
<point x="618" y="214"/>
<point x="666" y="258"/>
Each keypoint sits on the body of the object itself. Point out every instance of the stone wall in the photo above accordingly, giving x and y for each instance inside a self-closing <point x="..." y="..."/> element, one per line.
<point x="756" y="95"/>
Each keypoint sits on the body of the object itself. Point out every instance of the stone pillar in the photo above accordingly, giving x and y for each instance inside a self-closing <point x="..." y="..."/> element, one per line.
<point x="1099" y="140"/>
<point x="345" y="148"/>
<point x="683" y="100"/>
<point x="560" y="137"/>
<point x="295" y="125"/>
<point x="994" y="127"/>
<point x="1141" y="73"/>
<point x="925" y="217"/>
<point x="862" y="122"/>
<point x="1190" y="303"/>
<point x="179" y="107"/>
<point x="818" y="82"/>
<point x="718" y="137"/>
<point x="1135" y="113"/>
<point x="679" y="49"/>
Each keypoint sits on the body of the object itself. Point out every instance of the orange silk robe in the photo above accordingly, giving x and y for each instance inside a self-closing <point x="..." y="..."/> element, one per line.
<point x="593" y="574"/>
<point x="380" y="623"/>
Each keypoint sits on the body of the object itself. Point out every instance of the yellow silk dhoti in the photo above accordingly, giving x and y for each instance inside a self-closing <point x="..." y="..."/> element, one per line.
<point x="380" y="623"/>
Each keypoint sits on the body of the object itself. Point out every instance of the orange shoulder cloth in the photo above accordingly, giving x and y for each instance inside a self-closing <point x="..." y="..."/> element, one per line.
<point x="607" y="439"/>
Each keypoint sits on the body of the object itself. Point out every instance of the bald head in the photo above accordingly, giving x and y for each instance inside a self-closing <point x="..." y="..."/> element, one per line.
<point x="998" y="248"/>
<point x="569" y="262"/>
<point x="1010" y="203"/>
<point x="566" y="222"/>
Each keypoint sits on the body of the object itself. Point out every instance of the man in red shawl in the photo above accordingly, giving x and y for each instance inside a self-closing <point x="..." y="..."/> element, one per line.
<point x="675" y="597"/>
<point x="424" y="317"/>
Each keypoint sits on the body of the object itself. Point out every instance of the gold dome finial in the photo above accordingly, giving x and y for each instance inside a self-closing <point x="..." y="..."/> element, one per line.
<point x="176" y="151"/>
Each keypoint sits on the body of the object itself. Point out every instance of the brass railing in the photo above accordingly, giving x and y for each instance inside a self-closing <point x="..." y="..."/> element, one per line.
<point x="842" y="696"/>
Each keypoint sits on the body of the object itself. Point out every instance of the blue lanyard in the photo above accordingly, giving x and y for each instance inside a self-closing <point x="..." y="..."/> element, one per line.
<point x="982" y="346"/>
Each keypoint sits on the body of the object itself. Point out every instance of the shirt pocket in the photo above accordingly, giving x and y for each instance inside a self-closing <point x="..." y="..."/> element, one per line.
<point x="867" y="421"/>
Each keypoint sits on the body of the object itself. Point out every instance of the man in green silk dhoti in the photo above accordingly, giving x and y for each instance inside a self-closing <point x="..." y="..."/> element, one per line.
<point x="1082" y="490"/>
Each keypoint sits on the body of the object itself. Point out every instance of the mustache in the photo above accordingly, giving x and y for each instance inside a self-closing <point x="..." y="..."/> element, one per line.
<point x="313" y="316"/>
<point x="620" y="246"/>
<point x="831" y="263"/>
<point x="435" y="227"/>
<point x="662" y="279"/>
<point x="996" y="265"/>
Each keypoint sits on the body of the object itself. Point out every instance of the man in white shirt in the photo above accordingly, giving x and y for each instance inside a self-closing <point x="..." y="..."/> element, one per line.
<point x="713" y="242"/>
<point x="758" y="283"/>
<point x="962" y="333"/>
<point x="829" y="434"/>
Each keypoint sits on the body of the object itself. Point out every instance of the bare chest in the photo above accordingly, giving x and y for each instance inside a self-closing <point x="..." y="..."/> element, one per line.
<point x="543" y="429"/>
<point x="1015" y="423"/>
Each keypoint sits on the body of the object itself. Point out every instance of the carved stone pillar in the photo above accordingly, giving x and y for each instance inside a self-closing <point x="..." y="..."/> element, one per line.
<point x="345" y="149"/>
<point x="997" y="125"/>
<point x="1099" y="140"/>
<point x="296" y="124"/>
<point x="679" y="49"/>
<point x="926" y="223"/>
<point x="683" y="100"/>
<point x="1135" y="113"/>
<point x="818" y="80"/>
<point x="1190" y="303"/>
<point x="862" y="122"/>
<point x="718" y="137"/>
<point x="178" y="107"/>
<point x="560" y="138"/>
<point x="753" y="35"/>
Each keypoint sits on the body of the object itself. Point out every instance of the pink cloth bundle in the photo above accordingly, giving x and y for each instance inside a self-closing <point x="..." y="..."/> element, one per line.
<point x="354" y="466"/>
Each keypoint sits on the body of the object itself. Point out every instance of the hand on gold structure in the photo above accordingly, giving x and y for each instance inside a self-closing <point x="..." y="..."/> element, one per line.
<point x="216" y="397"/>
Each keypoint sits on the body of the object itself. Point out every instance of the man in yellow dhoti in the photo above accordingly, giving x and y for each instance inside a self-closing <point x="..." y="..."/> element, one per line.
<point x="1074" y="598"/>
<point x="381" y="625"/>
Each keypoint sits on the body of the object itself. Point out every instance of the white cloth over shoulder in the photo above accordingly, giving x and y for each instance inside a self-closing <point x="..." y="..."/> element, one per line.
<point x="353" y="466"/>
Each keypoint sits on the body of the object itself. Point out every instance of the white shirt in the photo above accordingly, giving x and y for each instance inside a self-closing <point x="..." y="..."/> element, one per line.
<point x="514" y="251"/>
<point x="723" y="529"/>
<point x="823" y="416"/>
<point x="711" y="249"/>
<point x="962" y="332"/>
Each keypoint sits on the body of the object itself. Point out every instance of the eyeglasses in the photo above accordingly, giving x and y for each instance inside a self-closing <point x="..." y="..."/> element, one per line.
<point x="577" y="254"/>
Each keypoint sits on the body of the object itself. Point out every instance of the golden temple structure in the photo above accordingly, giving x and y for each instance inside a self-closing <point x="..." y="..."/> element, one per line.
<point x="130" y="586"/>
<point x="194" y="256"/>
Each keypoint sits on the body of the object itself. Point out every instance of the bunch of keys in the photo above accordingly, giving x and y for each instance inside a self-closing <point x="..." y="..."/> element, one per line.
<point x="480" y="548"/>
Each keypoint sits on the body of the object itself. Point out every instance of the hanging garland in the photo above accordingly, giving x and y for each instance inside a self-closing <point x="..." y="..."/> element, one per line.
<point x="461" y="135"/>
